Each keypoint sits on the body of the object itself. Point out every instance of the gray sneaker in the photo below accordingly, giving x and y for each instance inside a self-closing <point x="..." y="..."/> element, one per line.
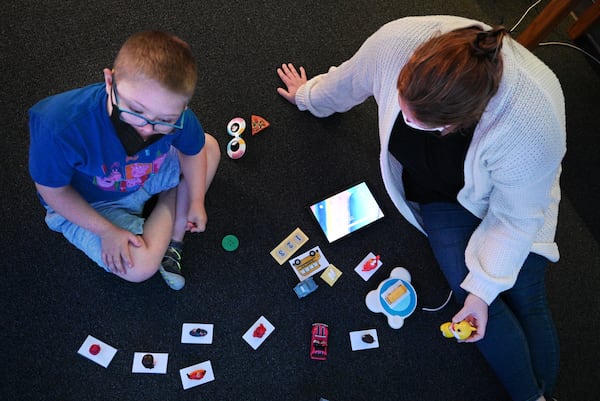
<point x="170" y="267"/>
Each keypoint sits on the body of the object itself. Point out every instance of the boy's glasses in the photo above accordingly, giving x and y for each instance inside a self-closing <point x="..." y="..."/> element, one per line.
<point x="139" y="120"/>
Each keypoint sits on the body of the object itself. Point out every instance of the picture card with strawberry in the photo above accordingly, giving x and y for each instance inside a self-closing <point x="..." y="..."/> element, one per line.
<point x="97" y="351"/>
<point x="258" y="332"/>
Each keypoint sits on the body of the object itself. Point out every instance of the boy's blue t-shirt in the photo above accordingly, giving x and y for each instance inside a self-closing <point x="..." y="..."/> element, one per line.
<point x="73" y="142"/>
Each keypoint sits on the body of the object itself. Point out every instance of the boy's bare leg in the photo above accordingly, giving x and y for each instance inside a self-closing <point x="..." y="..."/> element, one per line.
<point x="213" y="157"/>
<point x="167" y="221"/>
<point x="157" y="234"/>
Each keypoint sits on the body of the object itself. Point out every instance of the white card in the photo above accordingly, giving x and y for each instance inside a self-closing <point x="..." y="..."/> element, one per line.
<point x="159" y="363"/>
<point x="196" y="375"/>
<point x="258" y="332"/>
<point x="309" y="263"/>
<point x="359" y="340"/>
<point x="197" y="333"/>
<point x="368" y="266"/>
<point x="104" y="354"/>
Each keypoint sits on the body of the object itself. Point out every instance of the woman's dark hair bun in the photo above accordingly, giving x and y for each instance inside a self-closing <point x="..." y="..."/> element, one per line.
<point x="488" y="43"/>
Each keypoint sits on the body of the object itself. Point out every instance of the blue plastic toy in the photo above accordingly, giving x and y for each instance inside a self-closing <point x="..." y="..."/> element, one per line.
<point x="305" y="287"/>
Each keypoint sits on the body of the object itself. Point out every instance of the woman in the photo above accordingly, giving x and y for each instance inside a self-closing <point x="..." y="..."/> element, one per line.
<point x="472" y="133"/>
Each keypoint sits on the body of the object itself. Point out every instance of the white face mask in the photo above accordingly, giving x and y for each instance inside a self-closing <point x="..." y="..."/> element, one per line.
<point x="415" y="126"/>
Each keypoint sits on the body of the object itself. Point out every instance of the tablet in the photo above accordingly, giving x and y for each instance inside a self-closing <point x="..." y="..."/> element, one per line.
<point x="346" y="211"/>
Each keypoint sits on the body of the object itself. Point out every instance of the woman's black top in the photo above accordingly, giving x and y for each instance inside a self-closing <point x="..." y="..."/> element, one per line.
<point x="433" y="165"/>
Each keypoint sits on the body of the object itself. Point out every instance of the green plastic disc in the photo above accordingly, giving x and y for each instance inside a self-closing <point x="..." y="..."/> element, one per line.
<point x="230" y="242"/>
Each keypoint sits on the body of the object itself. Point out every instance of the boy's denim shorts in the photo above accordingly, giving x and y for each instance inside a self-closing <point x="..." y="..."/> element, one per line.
<point x="125" y="212"/>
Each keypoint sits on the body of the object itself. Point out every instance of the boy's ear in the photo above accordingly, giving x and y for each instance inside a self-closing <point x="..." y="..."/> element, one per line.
<point x="108" y="75"/>
<point x="108" y="79"/>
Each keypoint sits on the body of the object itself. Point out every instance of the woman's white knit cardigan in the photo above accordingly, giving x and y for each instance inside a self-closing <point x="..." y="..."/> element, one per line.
<point x="512" y="167"/>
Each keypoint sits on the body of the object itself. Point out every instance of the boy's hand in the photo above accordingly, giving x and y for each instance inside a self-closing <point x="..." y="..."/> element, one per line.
<point x="115" y="249"/>
<point x="197" y="218"/>
<point x="292" y="80"/>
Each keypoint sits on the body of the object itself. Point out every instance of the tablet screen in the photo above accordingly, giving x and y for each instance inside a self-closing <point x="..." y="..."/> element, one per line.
<point x="346" y="211"/>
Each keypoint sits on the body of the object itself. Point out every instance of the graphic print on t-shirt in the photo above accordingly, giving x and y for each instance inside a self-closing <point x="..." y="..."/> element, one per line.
<point x="129" y="177"/>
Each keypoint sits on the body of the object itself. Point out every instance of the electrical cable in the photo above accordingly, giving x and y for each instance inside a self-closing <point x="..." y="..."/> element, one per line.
<point x="523" y="16"/>
<point x="439" y="307"/>
<point x="572" y="46"/>
<point x="553" y="43"/>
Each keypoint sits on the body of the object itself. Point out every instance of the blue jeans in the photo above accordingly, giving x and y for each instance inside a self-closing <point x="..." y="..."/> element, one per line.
<point x="520" y="343"/>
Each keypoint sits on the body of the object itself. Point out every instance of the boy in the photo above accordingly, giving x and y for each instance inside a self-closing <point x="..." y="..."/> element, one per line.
<point x="98" y="153"/>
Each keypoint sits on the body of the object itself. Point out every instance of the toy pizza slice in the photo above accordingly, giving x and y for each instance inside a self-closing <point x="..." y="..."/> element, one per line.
<point x="258" y="124"/>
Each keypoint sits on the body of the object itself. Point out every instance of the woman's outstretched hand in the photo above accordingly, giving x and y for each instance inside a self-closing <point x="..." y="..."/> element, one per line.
<point x="292" y="80"/>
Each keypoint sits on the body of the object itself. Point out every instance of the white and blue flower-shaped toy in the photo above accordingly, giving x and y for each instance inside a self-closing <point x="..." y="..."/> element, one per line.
<point x="395" y="297"/>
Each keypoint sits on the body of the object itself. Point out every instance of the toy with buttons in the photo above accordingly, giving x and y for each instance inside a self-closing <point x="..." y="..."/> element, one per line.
<point x="395" y="298"/>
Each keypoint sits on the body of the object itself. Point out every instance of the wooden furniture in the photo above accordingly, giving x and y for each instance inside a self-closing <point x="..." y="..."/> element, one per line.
<point x="552" y="15"/>
<point x="585" y="20"/>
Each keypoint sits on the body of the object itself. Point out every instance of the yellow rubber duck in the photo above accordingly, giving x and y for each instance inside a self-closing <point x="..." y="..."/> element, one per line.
<point x="461" y="330"/>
